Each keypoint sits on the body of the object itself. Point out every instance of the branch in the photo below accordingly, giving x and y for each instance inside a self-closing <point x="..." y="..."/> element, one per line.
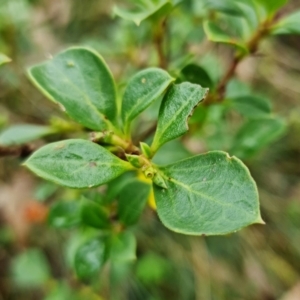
<point x="252" y="47"/>
<point x="18" y="151"/>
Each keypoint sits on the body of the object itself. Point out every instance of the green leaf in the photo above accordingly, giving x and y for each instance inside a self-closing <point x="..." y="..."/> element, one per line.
<point x="76" y="163"/>
<point x="215" y="34"/>
<point x="176" y="107"/>
<point x="64" y="214"/>
<point x="226" y="6"/>
<point x="196" y="74"/>
<point x="93" y="214"/>
<point x="21" y="134"/>
<point x="207" y="194"/>
<point x="132" y="200"/>
<point x="142" y="89"/>
<point x="4" y="59"/>
<point x="123" y="247"/>
<point x="144" y="10"/>
<point x="251" y="106"/>
<point x="288" y="25"/>
<point x="90" y="257"/>
<point x="256" y="134"/>
<point x="272" y="5"/>
<point x="80" y="81"/>
<point x="30" y="269"/>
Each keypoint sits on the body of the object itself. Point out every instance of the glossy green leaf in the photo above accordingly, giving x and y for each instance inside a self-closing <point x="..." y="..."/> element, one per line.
<point x="76" y="163"/>
<point x="209" y="194"/>
<point x="93" y="214"/>
<point x="90" y="257"/>
<point x="123" y="247"/>
<point x="251" y="106"/>
<point x="143" y="10"/>
<point x="80" y="81"/>
<point x="272" y="5"/>
<point x="196" y="74"/>
<point x="4" y="59"/>
<point x="256" y="134"/>
<point x="215" y="34"/>
<point x="21" y="134"/>
<point x="288" y="25"/>
<point x="132" y="200"/>
<point x="30" y="269"/>
<point x="64" y="214"/>
<point x="176" y="107"/>
<point x="142" y="89"/>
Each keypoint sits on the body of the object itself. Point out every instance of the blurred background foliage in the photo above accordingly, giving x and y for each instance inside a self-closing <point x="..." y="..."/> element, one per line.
<point x="260" y="262"/>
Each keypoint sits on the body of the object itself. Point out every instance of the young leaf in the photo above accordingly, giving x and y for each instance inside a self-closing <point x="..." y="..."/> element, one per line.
<point x="21" y="134"/>
<point x="4" y="59"/>
<point x="207" y="194"/>
<point x="288" y="25"/>
<point x="144" y="10"/>
<point x="92" y="214"/>
<point x="64" y="214"/>
<point x="251" y="106"/>
<point x="215" y="34"/>
<point x="81" y="82"/>
<point x="132" y="200"/>
<point x="123" y="247"/>
<point x="256" y="134"/>
<point x="177" y="106"/>
<point x="90" y="257"/>
<point x="76" y="163"/>
<point x="142" y="89"/>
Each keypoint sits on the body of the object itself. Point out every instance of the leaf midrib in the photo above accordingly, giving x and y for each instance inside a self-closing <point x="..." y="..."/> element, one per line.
<point x="158" y="137"/>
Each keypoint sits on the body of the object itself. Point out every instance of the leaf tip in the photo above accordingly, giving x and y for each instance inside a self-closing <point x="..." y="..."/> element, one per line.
<point x="260" y="221"/>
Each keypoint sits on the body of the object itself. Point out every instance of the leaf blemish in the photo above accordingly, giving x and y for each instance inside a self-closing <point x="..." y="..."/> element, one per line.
<point x="93" y="164"/>
<point x="70" y="63"/>
<point x="143" y="80"/>
<point x="59" y="146"/>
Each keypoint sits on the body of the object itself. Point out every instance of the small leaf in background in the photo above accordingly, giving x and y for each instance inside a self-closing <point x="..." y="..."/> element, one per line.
<point x="177" y="106"/>
<point x="93" y="214"/>
<point x="255" y="135"/>
<point x="123" y="247"/>
<point x="288" y="25"/>
<point x="90" y="257"/>
<point x="215" y="34"/>
<point x="23" y="133"/>
<point x="64" y="214"/>
<point x="142" y="89"/>
<point x="82" y="83"/>
<point x="60" y="291"/>
<point x="209" y="194"/>
<point x="143" y="10"/>
<point x="132" y="200"/>
<point x="196" y="74"/>
<point x="76" y="163"/>
<point x="251" y="106"/>
<point x="44" y="191"/>
<point x="4" y="59"/>
<point x="170" y="153"/>
<point x="272" y="5"/>
<point x="225" y="6"/>
<point x="30" y="269"/>
<point x="152" y="269"/>
<point x="237" y="88"/>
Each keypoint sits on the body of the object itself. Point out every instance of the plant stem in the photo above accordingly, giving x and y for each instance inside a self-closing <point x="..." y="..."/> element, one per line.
<point x="158" y="40"/>
<point x="252" y="47"/>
